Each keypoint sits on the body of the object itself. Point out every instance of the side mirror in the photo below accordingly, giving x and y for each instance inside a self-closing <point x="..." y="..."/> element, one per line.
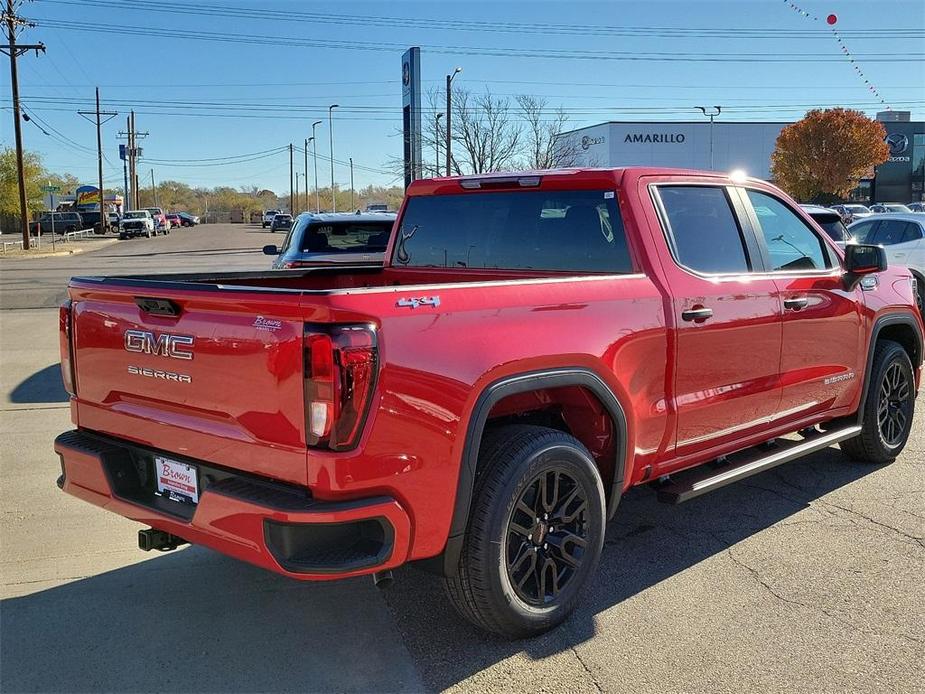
<point x="862" y="259"/>
<point x="270" y="250"/>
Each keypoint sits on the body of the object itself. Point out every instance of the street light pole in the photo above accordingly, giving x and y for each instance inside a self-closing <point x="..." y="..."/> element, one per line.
<point x="352" y="198"/>
<point x="449" y="119"/>
<point x="711" y="116"/>
<point x="305" y="169"/>
<point x="331" y="134"/>
<point x="437" y="143"/>
<point x="315" y="160"/>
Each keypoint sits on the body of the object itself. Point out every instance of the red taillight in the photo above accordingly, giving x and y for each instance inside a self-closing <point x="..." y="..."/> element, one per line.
<point x="340" y="373"/>
<point x="66" y="344"/>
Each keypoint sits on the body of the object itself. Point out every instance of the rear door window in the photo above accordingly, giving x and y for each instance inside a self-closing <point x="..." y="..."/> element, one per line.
<point x="893" y="231"/>
<point x="703" y="230"/>
<point x="568" y="231"/>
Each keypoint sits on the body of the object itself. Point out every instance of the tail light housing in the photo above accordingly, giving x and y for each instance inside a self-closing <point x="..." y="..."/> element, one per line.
<point x="66" y="344"/>
<point x="341" y="365"/>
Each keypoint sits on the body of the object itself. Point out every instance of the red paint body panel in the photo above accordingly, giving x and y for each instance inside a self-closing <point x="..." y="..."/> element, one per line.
<point x="689" y="391"/>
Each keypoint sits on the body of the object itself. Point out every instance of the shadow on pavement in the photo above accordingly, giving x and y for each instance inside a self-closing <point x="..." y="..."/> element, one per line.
<point x="41" y="387"/>
<point x="195" y="621"/>
<point x="647" y="542"/>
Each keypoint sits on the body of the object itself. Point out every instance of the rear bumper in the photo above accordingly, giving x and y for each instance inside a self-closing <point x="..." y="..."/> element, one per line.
<point x="275" y="526"/>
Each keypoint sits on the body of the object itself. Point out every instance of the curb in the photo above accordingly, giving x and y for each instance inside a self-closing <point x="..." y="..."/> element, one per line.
<point x="101" y="243"/>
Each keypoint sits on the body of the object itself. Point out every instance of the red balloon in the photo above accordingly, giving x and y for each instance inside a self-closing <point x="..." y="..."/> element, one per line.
<point x="831" y="19"/>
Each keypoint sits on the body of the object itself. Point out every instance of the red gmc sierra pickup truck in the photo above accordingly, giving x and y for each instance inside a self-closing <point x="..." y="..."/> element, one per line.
<point x="534" y="345"/>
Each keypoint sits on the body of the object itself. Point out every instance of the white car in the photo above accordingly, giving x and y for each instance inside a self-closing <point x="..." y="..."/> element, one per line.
<point x="137" y="223"/>
<point x="268" y="216"/>
<point x="903" y="238"/>
<point x="888" y="207"/>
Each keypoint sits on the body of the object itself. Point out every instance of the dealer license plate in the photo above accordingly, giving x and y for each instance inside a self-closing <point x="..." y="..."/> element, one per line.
<point x="177" y="481"/>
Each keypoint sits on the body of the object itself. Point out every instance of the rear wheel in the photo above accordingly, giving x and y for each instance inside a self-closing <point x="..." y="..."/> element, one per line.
<point x="889" y="406"/>
<point x="535" y="532"/>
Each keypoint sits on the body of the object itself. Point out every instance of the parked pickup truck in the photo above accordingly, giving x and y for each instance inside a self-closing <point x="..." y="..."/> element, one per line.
<point x="533" y="346"/>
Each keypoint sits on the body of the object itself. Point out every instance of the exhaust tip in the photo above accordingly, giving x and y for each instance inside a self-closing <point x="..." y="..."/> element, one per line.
<point x="383" y="579"/>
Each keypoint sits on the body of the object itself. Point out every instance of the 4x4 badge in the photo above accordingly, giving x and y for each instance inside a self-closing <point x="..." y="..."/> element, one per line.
<point x="419" y="301"/>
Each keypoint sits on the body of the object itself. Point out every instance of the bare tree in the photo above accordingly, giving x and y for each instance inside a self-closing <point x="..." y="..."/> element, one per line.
<point x="485" y="131"/>
<point x="546" y="143"/>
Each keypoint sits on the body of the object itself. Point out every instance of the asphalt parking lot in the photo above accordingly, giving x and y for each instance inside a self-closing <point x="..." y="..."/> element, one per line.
<point x="810" y="577"/>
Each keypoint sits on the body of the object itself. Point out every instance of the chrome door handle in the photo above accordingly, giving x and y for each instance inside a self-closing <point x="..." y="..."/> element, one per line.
<point x="796" y="304"/>
<point x="697" y="314"/>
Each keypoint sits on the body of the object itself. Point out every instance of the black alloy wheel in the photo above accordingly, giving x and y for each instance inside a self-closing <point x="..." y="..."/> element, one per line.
<point x="894" y="406"/>
<point x="888" y="407"/>
<point x="547" y="537"/>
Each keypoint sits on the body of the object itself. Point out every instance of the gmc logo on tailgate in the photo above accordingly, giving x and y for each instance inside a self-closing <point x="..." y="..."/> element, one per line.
<point x="165" y="344"/>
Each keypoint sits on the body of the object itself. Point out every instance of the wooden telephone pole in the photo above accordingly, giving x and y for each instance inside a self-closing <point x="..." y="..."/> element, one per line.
<point x="14" y="50"/>
<point x="104" y="218"/>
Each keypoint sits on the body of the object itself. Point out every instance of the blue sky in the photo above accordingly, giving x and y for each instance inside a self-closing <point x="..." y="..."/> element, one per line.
<point x="221" y="89"/>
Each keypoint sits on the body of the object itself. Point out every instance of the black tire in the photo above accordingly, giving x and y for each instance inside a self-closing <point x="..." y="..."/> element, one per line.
<point x="889" y="406"/>
<point x="148" y="233"/>
<point x="508" y="578"/>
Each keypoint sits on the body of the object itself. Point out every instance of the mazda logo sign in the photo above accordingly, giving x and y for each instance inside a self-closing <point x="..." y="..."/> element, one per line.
<point x="897" y="142"/>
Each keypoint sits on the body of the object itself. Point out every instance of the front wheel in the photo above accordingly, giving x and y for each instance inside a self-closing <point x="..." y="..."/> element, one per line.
<point x="889" y="406"/>
<point x="535" y="532"/>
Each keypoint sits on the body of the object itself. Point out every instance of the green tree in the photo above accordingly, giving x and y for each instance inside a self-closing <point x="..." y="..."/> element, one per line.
<point x="9" y="184"/>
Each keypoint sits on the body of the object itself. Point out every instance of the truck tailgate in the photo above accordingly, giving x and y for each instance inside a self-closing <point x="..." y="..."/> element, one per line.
<point x="209" y="375"/>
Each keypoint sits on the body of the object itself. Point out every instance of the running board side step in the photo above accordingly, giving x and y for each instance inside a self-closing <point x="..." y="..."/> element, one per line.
<point x="707" y="478"/>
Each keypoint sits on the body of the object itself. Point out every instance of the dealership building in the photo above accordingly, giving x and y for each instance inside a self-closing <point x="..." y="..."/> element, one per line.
<point x="747" y="146"/>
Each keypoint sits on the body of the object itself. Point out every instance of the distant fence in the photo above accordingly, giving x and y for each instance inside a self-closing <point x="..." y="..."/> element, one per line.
<point x="38" y="241"/>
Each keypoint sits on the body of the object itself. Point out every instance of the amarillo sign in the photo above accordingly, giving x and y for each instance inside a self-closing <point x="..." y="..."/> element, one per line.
<point x="655" y="138"/>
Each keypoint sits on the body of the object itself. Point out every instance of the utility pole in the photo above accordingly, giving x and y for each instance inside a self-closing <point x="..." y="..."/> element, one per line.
<point x="315" y="159"/>
<point x="353" y="205"/>
<point x="294" y="209"/>
<point x="291" y="189"/>
<point x="104" y="218"/>
<point x="132" y="152"/>
<point x="437" y="144"/>
<point x="154" y="188"/>
<point x="711" y="116"/>
<point x="331" y="133"/>
<point x="14" y="51"/>
<point x="449" y="120"/>
<point x="305" y="169"/>
<point x="125" y="170"/>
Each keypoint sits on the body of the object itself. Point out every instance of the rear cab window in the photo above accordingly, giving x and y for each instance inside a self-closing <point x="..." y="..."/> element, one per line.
<point x="561" y="231"/>
<point x="347" y="237"/>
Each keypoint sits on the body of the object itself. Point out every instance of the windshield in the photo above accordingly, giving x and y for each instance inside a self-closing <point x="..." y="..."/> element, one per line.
<point x="833" y="228"/>
<point x="856" y="208"/>
<point x="347" y="237"/>
<point x="135" y="215"/>
<point x="897" y="208"/>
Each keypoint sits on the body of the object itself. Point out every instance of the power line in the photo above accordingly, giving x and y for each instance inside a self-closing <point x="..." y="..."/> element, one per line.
<point x="480" y="26"/>
<point x="543" y="53"/>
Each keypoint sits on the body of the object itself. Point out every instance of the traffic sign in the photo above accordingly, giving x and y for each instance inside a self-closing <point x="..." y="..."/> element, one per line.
<point x="51" y="189"/>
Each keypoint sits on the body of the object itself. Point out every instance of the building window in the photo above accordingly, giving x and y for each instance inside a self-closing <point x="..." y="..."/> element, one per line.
<point x="918" y="166"/>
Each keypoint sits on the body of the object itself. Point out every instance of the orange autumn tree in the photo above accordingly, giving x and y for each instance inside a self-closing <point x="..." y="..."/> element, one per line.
<point x="822" y="157"/>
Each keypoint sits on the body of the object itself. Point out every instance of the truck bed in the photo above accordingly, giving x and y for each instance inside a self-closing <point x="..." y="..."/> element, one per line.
<point x="325" y="279"/>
